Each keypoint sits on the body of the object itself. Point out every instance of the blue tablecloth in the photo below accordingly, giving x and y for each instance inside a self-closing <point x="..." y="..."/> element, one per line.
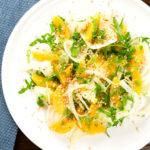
<point x="10" y="12"/>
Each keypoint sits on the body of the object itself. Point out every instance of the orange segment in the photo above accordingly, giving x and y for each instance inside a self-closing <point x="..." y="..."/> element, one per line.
<point x="109" y="66"/>
<point x="89" y="32"/>
<point x="138" y="58"/>
<point x="93" y="110"/>
<point x="124" y="32"/>
<point x="45" y="56"/>
<point x="97" y="17"/>
<point x="81" y="68"/>
<point x="93" y="128"/>
<point x="40" y="81"/>
<point x="64" y="29"/>
<point x="137" y="81"/>
<point x="59" y="101"/>
<point x="69" y="70"/>
<point x="134" y="65"/>
<point x="124" y="29"/>
<point x="63" y="126"/>
<point x="90" y="28"/>
<point x="63" y="77"/>
<point x="115" y="98"/>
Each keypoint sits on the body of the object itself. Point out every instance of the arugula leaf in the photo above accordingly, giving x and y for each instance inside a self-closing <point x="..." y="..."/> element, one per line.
<point x="107" y="113"/>
<point x="115" y="91"/>
<point x="52" y="26"/>
<point x="123" y="103"/>
<point x="74" y="50"/>
<point x="145" y="39"/>
<point x="118" y="121"/>
<point x="53" y="76"/>
<point x="59" y="28"/>
<point x="40" y="100"/>
<point x="46" y="38"/>
<point x="83" y="80"/>
<point x="28" y="55"/>
<point x="121" y="23"/>
<point x="68" y="113"/>
<point x="117" y="28"/>
<point x="113" y="113"/>
<point x="76" y="46"/>
<point x="124" y="100"/>
<point x="29" y="85"/>
<point x="110" y="112"/>
<point x="106" y="52"/>
<point x="61" y="18"/>
<point x="81" y="43"/>
<point x="101" y="33"/>
<point x="97" y="35"/>
<point x="99" y="89"/>
<point x="75" y="67"/>
<point x="76" y="35"/>
<point x="94" y="21"/>
<point x="128" y="73"/>
<point x="106" y="132"/>
<point x="40" y="73"/>
<point x="125" y="40"/>
<point x="81" y="20"/>
<point x="130" y="57"/>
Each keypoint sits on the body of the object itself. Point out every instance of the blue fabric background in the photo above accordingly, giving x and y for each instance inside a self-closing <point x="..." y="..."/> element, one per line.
<point x="10" y="12"/>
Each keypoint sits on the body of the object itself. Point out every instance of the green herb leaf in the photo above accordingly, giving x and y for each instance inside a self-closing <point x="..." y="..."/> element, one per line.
<point x="81" y="20"/>
<point x="106" y="132"/>
<point x="83" y="80"/>
<point x="68" y="113"/>
<point x="108" y="114"/>
<point x="29" y="85"/>
<point x="53" y="76"/>
<point x="52" y="26"/>
<point x="115" y="91"/>
<point x="118" y="121"/>
<point x="59" y="28"/>
<point x="40" y="73"/>
<point x="40" y="101"/>
<point x="121" y="23"/>
<point x="105" y="52"/>
<point x="77" y="44"/>
<point x="101" y="33"/>
<point x="46" y="38"/>
<point x="117" y="28"/>
<point x="76" y="35"/>
<point x="88" y="121"/>
<point x="28" y="55"/>
<point x="94" y="21"/>
<point x="145" y="39"/>
<point x="74" y="50"/>
<point x="75" y="67"/>
<point x="137" y="82"/>
<point x="123" y="102"/>
<point x="99" y="89"/>
<point x="62" y="18"/>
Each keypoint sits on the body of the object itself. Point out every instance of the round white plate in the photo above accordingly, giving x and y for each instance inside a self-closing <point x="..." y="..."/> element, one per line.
<point x="23" y="108"/>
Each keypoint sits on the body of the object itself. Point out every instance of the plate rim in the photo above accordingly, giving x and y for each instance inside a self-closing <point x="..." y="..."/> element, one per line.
<point x="4" y="62"/>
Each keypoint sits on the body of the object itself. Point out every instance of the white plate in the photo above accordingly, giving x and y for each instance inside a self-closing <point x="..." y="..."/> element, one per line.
<point x="23" y="108"/>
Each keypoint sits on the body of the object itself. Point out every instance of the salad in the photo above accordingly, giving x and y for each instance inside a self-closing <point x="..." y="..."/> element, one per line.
<point x="89" y="74"/>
